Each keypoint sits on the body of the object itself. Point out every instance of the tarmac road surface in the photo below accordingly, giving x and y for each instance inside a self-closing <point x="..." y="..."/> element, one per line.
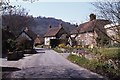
<point x="48" y="64"/>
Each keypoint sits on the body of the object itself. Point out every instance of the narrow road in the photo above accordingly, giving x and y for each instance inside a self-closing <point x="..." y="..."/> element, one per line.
<point x="47" y="65"/>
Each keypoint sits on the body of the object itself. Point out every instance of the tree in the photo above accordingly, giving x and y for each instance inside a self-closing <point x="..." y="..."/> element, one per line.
<point x="15" y="17"/>
<point x="110" y="10"/>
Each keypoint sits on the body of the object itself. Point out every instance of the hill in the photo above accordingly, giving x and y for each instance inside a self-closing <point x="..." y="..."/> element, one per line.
<point x="42" y="23"/>
<point x="38" y="25"/>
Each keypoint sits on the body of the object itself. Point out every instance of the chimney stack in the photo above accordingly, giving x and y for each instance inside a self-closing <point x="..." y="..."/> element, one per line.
<point x="76" y="25"/>
<point x="26" y="29"/>
<point x="50" y="26"/>
<point x="92" y="17"/>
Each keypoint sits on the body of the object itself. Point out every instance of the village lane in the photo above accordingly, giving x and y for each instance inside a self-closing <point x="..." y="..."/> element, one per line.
<point x="47" y="65"/>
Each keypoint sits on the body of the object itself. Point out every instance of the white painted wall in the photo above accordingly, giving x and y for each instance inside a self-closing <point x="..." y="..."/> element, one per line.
<point x="73" y="35"/>
<point x="47" y="40"/>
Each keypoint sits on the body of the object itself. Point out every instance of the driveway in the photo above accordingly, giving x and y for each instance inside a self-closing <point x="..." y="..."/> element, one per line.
<point x="48" y="64"/>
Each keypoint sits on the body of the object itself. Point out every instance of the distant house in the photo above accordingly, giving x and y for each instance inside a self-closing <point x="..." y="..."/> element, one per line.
<point x="38" y="40"/>
<point x="54" y="35"/>
<point x="86" y="33"/>
<point x="113" y="31"/>
<point x="26" y="37"/>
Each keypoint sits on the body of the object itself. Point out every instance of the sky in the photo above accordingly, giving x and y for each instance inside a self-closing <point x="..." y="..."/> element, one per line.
<point x="73" y="12"/>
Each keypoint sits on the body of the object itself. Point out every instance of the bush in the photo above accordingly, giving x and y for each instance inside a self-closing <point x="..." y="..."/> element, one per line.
<point x="16" y="55"/>
<point x="110" y="53"/>
<point x="106" y="53"/>
<point x="11" y="45"/>
<point x="61" y="45"/>
<point x="24" y="44"/>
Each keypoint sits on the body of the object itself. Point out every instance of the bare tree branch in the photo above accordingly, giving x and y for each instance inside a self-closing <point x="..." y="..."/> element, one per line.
<point x="110" y="10"/>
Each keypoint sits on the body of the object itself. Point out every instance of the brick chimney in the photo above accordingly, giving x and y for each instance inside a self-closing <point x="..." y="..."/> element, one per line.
<point x="92" y="17"/>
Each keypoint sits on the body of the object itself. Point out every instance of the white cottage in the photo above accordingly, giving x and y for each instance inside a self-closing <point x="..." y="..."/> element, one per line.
<point x="53" y="33"/>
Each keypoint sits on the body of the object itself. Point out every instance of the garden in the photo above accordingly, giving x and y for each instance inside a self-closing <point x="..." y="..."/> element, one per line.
<point x="104" y="61"/>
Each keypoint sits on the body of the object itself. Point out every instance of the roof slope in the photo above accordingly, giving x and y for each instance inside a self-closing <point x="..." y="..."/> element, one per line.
<point x="90" y="25"/>
<point x="30" y="33"/>
<point x="52" y="31"/>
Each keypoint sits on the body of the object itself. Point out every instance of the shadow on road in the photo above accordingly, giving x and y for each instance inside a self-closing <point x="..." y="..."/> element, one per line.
<point x="54" y="72"/>
<point x="10" y="69"/>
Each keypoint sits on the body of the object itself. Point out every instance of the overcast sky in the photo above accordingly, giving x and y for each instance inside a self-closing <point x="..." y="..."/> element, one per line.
<point x="73" y="12"/>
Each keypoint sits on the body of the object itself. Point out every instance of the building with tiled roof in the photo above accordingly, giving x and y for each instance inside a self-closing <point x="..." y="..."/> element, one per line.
<point x="29" y="37"/>
<point x="38" y="40"/>
<point x="54" y="33"/>
<point x="86" y="33"/>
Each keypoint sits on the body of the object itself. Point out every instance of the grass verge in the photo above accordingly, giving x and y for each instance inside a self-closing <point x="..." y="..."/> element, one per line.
<point x="96" y="66"/>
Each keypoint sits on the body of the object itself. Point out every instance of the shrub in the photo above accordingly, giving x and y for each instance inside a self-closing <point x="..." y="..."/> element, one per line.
<point x="106" y="53"/>
<point x="24" y="44"/>
<point x="61" y="45"/>
<point x="11" y="45"/>
<point x="110" y="53"/>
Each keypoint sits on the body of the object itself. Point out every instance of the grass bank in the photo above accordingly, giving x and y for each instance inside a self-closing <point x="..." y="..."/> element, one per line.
<point x="105" y="65"/>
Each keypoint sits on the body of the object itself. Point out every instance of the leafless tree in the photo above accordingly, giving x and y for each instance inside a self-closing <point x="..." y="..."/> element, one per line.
<point x="110" y="10"/>
<point x="15" y="17"/>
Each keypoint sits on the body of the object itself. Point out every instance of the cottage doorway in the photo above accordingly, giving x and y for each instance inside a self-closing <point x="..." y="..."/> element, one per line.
<point x="54" y="42"/>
